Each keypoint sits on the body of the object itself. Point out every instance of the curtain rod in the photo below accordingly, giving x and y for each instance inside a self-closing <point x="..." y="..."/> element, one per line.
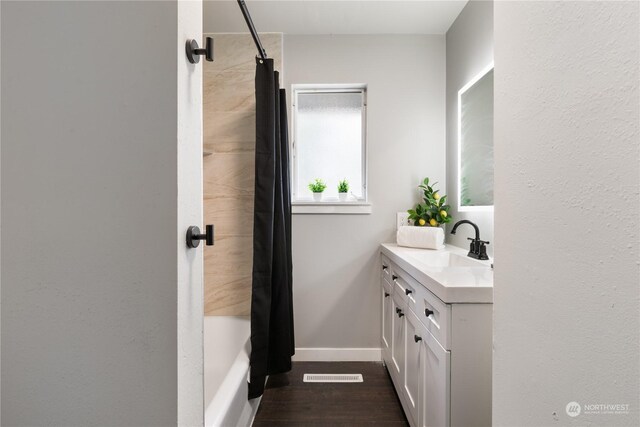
<point x="254" y="33"/>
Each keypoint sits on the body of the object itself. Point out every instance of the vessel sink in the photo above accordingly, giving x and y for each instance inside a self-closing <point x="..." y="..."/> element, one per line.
<point x="445" y="259"/>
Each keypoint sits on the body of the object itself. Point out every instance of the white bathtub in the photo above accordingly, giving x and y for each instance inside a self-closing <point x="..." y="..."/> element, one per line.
<point x="226" y="366"/>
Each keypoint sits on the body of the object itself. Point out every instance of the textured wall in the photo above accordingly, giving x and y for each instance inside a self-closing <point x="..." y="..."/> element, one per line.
<point x="567" y="212"/>
<point x="229" y="137"/>
<point x="97" y="286"/>
<point x="336" y="281"/>
<point x="469" y="51"/>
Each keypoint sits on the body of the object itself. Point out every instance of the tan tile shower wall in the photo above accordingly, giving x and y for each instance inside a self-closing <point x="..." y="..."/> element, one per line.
<point x="229" y="135"/>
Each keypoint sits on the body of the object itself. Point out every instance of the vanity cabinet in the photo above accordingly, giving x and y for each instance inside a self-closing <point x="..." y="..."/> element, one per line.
<point x="438" y="354"/>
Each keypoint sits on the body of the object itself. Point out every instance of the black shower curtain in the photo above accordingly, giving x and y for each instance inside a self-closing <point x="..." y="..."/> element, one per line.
<point x="272" y="340"/>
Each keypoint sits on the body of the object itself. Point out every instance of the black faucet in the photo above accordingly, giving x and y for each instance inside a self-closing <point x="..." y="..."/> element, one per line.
<point x="477" y="248"/>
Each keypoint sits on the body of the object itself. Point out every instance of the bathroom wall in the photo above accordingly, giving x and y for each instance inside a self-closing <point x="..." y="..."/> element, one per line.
<point x="469" y="51"/>
<point x="101" y="149"/>
<point x="229" y="162"/>
<point x="567" y="109"/>
<point x="336" y="280"/>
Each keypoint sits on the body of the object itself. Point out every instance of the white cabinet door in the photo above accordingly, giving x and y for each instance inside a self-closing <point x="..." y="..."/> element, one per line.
<point x="436" y="385"/>
<point x="397" y="339"/>
<point x="387" y="321"/>
<point x="414" y="353"/>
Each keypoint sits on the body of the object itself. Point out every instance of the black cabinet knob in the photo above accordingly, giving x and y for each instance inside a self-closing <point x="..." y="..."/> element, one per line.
<point x="386" y="294"/>
<point x="427" y="312"/>
<point x="400" y="313"/>
<point x="384" y="267"/>
<point x="394" y="277"/>
<point x="416" y="338"/>
<point x="194" y="236"/>
<point x="408" y="291"/>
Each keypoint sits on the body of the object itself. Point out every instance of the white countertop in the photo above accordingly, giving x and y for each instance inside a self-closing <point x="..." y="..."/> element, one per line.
<point x="471" y="283"/>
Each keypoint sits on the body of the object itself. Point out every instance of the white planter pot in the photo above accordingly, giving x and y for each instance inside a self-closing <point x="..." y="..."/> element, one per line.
<point x="317" y="197"/>
<point x="343" y="196"/>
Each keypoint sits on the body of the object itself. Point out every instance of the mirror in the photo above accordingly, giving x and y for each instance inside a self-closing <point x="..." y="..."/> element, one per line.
<point x="475" y="143"/>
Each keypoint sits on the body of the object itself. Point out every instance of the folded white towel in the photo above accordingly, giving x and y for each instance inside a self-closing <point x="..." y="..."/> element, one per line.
<point x="420" y="237"/>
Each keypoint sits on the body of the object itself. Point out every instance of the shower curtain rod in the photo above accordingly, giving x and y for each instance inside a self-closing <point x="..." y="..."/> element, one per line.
<point x="254" y="33"/>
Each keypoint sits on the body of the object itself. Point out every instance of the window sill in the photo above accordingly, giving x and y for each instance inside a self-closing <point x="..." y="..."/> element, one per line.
<point x="331" y="208"/>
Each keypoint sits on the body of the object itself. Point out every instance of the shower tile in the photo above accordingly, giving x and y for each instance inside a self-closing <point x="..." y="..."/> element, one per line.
<point x="233" y="216"/>
<point x="229" y="299"/>
<point x="227" y="274"/>
<point x="229" y="258"/>
<point x="229" y="134"/>
<point x="229" y="91"/>
<point x="229" y="175"/>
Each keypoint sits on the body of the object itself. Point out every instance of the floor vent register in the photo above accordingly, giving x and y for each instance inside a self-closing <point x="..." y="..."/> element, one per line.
<point x="333" y="378"/>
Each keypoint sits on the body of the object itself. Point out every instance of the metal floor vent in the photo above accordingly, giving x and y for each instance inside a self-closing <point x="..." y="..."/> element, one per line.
<point x="333" y="378"/>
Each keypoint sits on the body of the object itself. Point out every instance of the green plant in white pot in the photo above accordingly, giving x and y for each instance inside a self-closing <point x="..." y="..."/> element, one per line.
<point x="317" y="187"/>
<point x="343" y="190"/>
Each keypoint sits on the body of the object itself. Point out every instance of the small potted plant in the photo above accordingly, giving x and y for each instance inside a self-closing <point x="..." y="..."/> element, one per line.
<point x="317" y="187"/>
<point x="434" y="211"/>
<point x="343" y="190"/>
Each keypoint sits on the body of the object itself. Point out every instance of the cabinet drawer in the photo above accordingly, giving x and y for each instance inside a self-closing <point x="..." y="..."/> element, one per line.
<point x="387" y="286"/>
<point x="435" y="315"/>
<point x="402" y="287"/>
<point x="385" y="267"/>
<point x="430" y="310"/>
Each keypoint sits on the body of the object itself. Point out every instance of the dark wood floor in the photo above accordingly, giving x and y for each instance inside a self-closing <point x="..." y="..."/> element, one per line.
<point x="288" y="401"/>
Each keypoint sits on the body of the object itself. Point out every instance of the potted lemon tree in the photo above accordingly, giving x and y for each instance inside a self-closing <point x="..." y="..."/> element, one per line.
<point x="434" y="211"/>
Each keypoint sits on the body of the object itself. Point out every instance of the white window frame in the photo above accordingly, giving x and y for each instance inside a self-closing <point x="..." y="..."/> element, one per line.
<point x="331" y="206"/>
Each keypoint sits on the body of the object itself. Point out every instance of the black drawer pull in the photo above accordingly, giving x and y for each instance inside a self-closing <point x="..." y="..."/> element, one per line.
<point x="384" y="267"/>
<point x="428" y="312"/>
<point x="400" y="313"/>
<point x="408" y="291"/>
<point x="417" y="338"/>
<point x="386" y="294"/>
<point x="394" y="277"/>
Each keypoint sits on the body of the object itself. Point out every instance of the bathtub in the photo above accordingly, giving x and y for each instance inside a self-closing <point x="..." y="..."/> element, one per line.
<point x="226" y="366"/>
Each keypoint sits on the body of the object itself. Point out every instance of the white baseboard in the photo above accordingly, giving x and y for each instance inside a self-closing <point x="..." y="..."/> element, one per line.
<point x="338" y="355"/>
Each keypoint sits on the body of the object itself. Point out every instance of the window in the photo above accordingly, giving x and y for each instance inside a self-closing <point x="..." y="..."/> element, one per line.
<point x="329" y="143"/>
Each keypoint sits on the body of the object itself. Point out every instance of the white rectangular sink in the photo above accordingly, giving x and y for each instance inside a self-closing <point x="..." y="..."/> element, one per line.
<point x="445" y="259"/>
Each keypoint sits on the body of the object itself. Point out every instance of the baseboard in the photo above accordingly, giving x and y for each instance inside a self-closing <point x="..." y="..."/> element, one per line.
<point x="338" y="355"/>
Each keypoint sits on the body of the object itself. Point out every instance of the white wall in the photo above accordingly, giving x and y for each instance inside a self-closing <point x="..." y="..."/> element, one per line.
<point x="92" y="314"/>
<point x="567" y="211"/>
<point x="469" y="51"/>
<point x="336" y="279"/>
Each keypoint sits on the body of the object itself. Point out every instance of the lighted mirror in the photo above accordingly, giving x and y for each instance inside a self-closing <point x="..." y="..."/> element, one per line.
<point x="475" y="143"/>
